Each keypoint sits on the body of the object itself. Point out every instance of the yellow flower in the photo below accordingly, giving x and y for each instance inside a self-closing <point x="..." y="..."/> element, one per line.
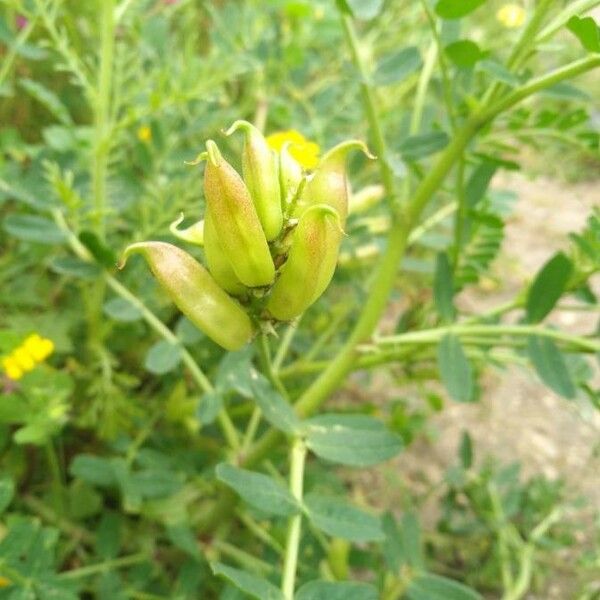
<point x="144" y="133"/>
<point x="4" y="582"/>
<point x="25" y="357"/>
<point x="11" y="368"/>
<point x="40" y="348"/>
<point x="511" y="15"/>
<point x="303" y="150"/>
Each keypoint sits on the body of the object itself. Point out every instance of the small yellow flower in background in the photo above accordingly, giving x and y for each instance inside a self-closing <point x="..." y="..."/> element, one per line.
<point x="25" y="357"/>
<point x="303" y="150"/>
<point x="4" y="582"/>
<point x="511" y="15"/>
<point x="144" y="133"/>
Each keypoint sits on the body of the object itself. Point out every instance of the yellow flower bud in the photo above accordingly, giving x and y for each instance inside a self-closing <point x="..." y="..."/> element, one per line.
<point x="144" y="133"/>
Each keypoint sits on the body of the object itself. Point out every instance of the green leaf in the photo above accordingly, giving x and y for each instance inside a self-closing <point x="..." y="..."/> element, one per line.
<point x="102" y="253"/>
<point x="7" y="491"/>
<point x="466" y="450"/>
<point x="443" y="288"/>
<point x="455" y="9"/>
<point x="233" y="374"/>
<point x="275" y="409"/>
<point x="93" y="469"/>
<point x="343" y="590"/>
<point x="121" y="310"/>
<point x="547" y="287"/>
<point x="258" y="490"/>
<point x="479" y="182"/>
<point x="31" y="228"/>
<point x="402" y="544"/>
<point x="587" y="32"/>
<point x="254" y="586"/>
<point x="416" y="147"/>
<point x="364" y="9"/>
<point x="397" y="66"/>
<point x="464" y="53"/>
<point x="48" y="98"/>
<point x="354" y="440"/>
<point x="74" y="267"/>
<point x="162" y="357"/>
<point x="339" y="519"/>
<point x="550" y="365"/>
<point x="209" y="407"/>
<point x="455" y="369"/>
<point x="434" y="587"/>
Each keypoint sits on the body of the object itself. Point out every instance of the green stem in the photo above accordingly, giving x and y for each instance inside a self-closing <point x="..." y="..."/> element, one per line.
<point x="102" y="115"/>
<point x="57" y="479"/>
<point x="461" y="213"/>
<point x="105" y="567"/>
<point x="369" y="103"/>
<point x="503" y="550"/>
<point x="290" y="562"/>
<point x="540" y="83"/>
<point x="284" y="347"/>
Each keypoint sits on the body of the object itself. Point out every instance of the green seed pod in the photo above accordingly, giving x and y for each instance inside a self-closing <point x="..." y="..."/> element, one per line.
<point x="194" y="234"/>
<point x="259" y="167"/>
<point x="290" y="175"/>
<point x="236" y="222"/>
<point x="329" y="183"/>
<point x="216" y="261"/>
<point x="310" y="265"/>
<point x="195" y="293"/>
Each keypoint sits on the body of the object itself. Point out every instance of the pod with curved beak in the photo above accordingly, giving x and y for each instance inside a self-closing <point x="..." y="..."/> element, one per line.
<point x="196" y="294"/>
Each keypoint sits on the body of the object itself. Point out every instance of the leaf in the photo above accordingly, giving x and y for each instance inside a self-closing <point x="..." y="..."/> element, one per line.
<point x="550" y="365"/>
<point x="74" y="267"/>
<point x="498" y="71"/>
<point x="443" y="288"/>
<point x="354" y="440"/>
<point x="339" y="519"/>
<point x="162" y="357"/>
<point x="93" y="469"/>
<point x="479" y="182"/>
<point x="103" y="255"/>
<point x="464" y="53"/>
<point x="455" y="369"/>
<point x="416" y="147"/>
<point x="276" y="410"/>
<point x="258" y="490"/>
<point x="31" y="228"/>
<point x="209" y="407"/>
<point x="455" y="9"/>
<point x="435" y="587"/>
<point x="466" y="450"/>
<point x="122" y="310"/>
<point x="254" y="586"/>
<point x="547" y="287"/>
<point x="587" y="32"/>
<point x="48" y="98"/>
<point x="343" y="590"/>
<point x="402" y="544"/>
<point x="364" y="9"/>
<point x="7" y="491"/>
<point x="233" y="374"/>
<point x="397" y="66"/>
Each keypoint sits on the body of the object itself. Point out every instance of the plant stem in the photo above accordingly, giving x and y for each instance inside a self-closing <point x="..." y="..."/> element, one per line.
<point x="368" y="96"/>
<point x="102" y="114"/>
<point x="290" y="563"/>
<point x="104" y="567"/>
<point x="57" y="479"/>
<point x="283" y="348"/>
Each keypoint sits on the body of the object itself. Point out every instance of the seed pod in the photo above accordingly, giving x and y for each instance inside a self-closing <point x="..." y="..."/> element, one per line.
<point x="216" y="261"/>
<point x="194" y="234"/>
<point x="195" y="293"/>
<point x="310" y="265"/>
<point x="290" y="175"/>
<point x="259" y="167"/>
<point x="329" y="183"/>
<point x="236" y="222"/>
